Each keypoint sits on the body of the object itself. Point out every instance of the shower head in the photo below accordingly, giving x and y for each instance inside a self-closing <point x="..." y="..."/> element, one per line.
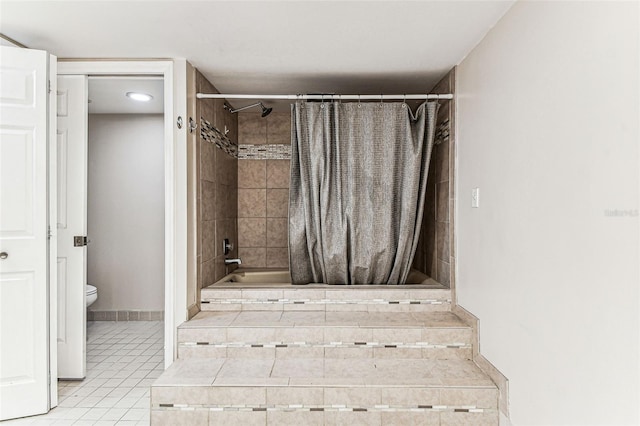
<point x="265" y="111"/>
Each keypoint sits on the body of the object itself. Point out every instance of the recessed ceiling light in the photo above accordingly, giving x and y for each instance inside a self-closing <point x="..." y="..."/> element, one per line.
<point x="142" y="97"/>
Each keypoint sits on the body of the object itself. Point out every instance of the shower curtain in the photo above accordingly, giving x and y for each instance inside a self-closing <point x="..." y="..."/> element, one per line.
<point x="358" y="179"/>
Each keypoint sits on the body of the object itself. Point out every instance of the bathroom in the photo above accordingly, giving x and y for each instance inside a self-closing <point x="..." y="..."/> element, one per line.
<point x="125" y="251"/>
<point x="545" y="125"/>
<point x="125" y="199"/>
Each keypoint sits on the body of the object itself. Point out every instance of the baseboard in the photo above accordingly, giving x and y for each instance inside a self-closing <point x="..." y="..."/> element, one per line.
<point x="490" y="370"/>
<point x="124" y="315"/>
<point x="192" y="311"/>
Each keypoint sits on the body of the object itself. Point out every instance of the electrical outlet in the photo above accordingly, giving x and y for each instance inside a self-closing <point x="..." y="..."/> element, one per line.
<point x="475" y="198"/>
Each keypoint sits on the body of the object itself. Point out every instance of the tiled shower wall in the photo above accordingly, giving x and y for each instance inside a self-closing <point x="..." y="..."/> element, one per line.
<point x="217" y="206"/>
<point x="263" y="192"/>
<point x="435" y="255"/>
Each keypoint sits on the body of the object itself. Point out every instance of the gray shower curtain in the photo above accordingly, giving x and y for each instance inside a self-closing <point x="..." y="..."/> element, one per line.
<point x="358" y="178"/>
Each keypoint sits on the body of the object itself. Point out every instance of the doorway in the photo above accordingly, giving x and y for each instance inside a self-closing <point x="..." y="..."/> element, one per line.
<point x="110" y="171"/>
<point x="175" y="177"/>
<point x="125" y="202"/>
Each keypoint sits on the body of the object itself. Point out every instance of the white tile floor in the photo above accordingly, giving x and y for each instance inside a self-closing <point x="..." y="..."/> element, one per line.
<point x="123" y="360"/>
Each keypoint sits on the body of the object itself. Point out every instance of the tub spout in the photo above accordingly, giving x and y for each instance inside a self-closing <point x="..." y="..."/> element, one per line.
<point x="237" y="261"/>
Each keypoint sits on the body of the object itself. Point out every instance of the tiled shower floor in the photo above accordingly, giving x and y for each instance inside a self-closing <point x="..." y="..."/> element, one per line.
<point x="123" y="360"/>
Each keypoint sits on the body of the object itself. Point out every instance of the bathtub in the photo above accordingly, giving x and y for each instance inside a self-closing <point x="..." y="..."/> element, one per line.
<point x="281" y="278"/>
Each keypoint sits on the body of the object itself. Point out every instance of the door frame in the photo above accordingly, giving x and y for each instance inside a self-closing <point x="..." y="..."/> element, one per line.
<point x="175" y="176"/>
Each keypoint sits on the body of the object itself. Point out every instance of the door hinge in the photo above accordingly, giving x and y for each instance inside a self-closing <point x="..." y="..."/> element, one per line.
<point x="49" y="85"/>
<point x="49" y="234"/>
<point x="80" y="241"/>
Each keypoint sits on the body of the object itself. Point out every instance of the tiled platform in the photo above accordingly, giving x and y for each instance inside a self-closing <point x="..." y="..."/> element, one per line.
<point x="320" y="297"/>
<point x="335" y="363"/>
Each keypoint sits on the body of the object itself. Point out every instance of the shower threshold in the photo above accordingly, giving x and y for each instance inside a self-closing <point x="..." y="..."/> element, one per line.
<point x="280" y="278"/>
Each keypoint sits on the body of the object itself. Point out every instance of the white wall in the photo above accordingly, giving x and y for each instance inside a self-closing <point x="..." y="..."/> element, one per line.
<point x="548" y="130"/>
<point x="126" y="211"/>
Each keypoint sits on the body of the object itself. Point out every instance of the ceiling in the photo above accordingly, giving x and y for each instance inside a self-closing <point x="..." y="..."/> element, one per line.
<point x="268" y="47"/>
<point x="108" y="95"/>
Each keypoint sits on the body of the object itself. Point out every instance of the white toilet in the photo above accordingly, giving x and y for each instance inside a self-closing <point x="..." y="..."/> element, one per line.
<point x="91" y="294"/>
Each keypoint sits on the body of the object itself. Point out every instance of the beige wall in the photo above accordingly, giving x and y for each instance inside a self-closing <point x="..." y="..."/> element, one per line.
<point x="263" y="193"/>
<point x="548" y="129"/>
<point x="125" y="259"/>
<point x="218" y="193"/>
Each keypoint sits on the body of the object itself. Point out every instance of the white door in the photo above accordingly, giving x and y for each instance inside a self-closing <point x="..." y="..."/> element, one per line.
<point x="24" y="327"/>
<point x="72" y="113"/>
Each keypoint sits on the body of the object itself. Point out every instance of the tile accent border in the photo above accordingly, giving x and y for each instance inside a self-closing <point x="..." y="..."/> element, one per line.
<point x="264" y="152"/>
<point x="320" y="407"/>
<point x="210" y="134"/>
<point x="442" y="132"/>
<point x="489" y="369"/>
<point x="283" y="151"/>
<point x="398" y="345"/>
<point x="285" y="301"/>
<point x="124" y="315"/>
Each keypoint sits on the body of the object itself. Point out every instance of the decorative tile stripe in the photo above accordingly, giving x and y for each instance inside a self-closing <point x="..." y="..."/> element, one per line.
<point x="210" y="134"/>
<point x="228" y="301"/>
<point x="320" y="407"/>
<point x="275" y="151"/>
<point x="442" y="132"/>
<point x="415" y="345"/>
<point x="264" y="152"/>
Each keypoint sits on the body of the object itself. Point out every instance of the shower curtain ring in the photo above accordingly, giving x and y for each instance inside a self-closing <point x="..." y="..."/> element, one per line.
<point x="404" y="100"/>
<point x="322" y="101"/>
<point x="359" y="104"/>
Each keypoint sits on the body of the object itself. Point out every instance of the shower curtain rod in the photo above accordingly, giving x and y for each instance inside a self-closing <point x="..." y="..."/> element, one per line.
<point x="327" y="97"/>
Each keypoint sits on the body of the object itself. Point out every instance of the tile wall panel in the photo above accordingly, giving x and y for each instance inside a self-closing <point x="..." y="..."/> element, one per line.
<point x="252" y="129"/>
<point x="263" y="189"/>
<point x="217" y="186"/>
<point x="277" y="202"/>
<point x="435" y="254"/>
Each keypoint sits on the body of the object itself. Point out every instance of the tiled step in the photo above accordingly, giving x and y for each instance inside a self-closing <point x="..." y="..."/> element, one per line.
<point x="319" y="297"/>
<point x="323" y="392"/>
<point x="318" y="334"/>
<point x="325" y="355"/>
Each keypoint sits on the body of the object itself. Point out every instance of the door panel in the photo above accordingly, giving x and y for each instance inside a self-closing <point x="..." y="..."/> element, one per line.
<point x="16" y="218"/>
<point x="72" y="221"/>
<point x="24" y="357"/>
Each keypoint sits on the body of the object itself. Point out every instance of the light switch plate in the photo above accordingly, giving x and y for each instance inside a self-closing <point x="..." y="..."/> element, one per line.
<point x="475" y="198"/>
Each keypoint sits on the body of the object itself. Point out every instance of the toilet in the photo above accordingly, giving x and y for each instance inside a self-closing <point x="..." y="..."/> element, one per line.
<point x="91" y="294"/>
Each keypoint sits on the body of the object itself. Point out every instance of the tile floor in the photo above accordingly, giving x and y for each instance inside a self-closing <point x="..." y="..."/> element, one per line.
<point x="123" y="360"/>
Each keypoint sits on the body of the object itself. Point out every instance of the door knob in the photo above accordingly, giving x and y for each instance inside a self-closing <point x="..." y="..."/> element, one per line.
<point x="4" y="255"/>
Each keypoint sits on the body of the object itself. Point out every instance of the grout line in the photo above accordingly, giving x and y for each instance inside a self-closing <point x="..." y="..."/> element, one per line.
<point x="109" y="361"/>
